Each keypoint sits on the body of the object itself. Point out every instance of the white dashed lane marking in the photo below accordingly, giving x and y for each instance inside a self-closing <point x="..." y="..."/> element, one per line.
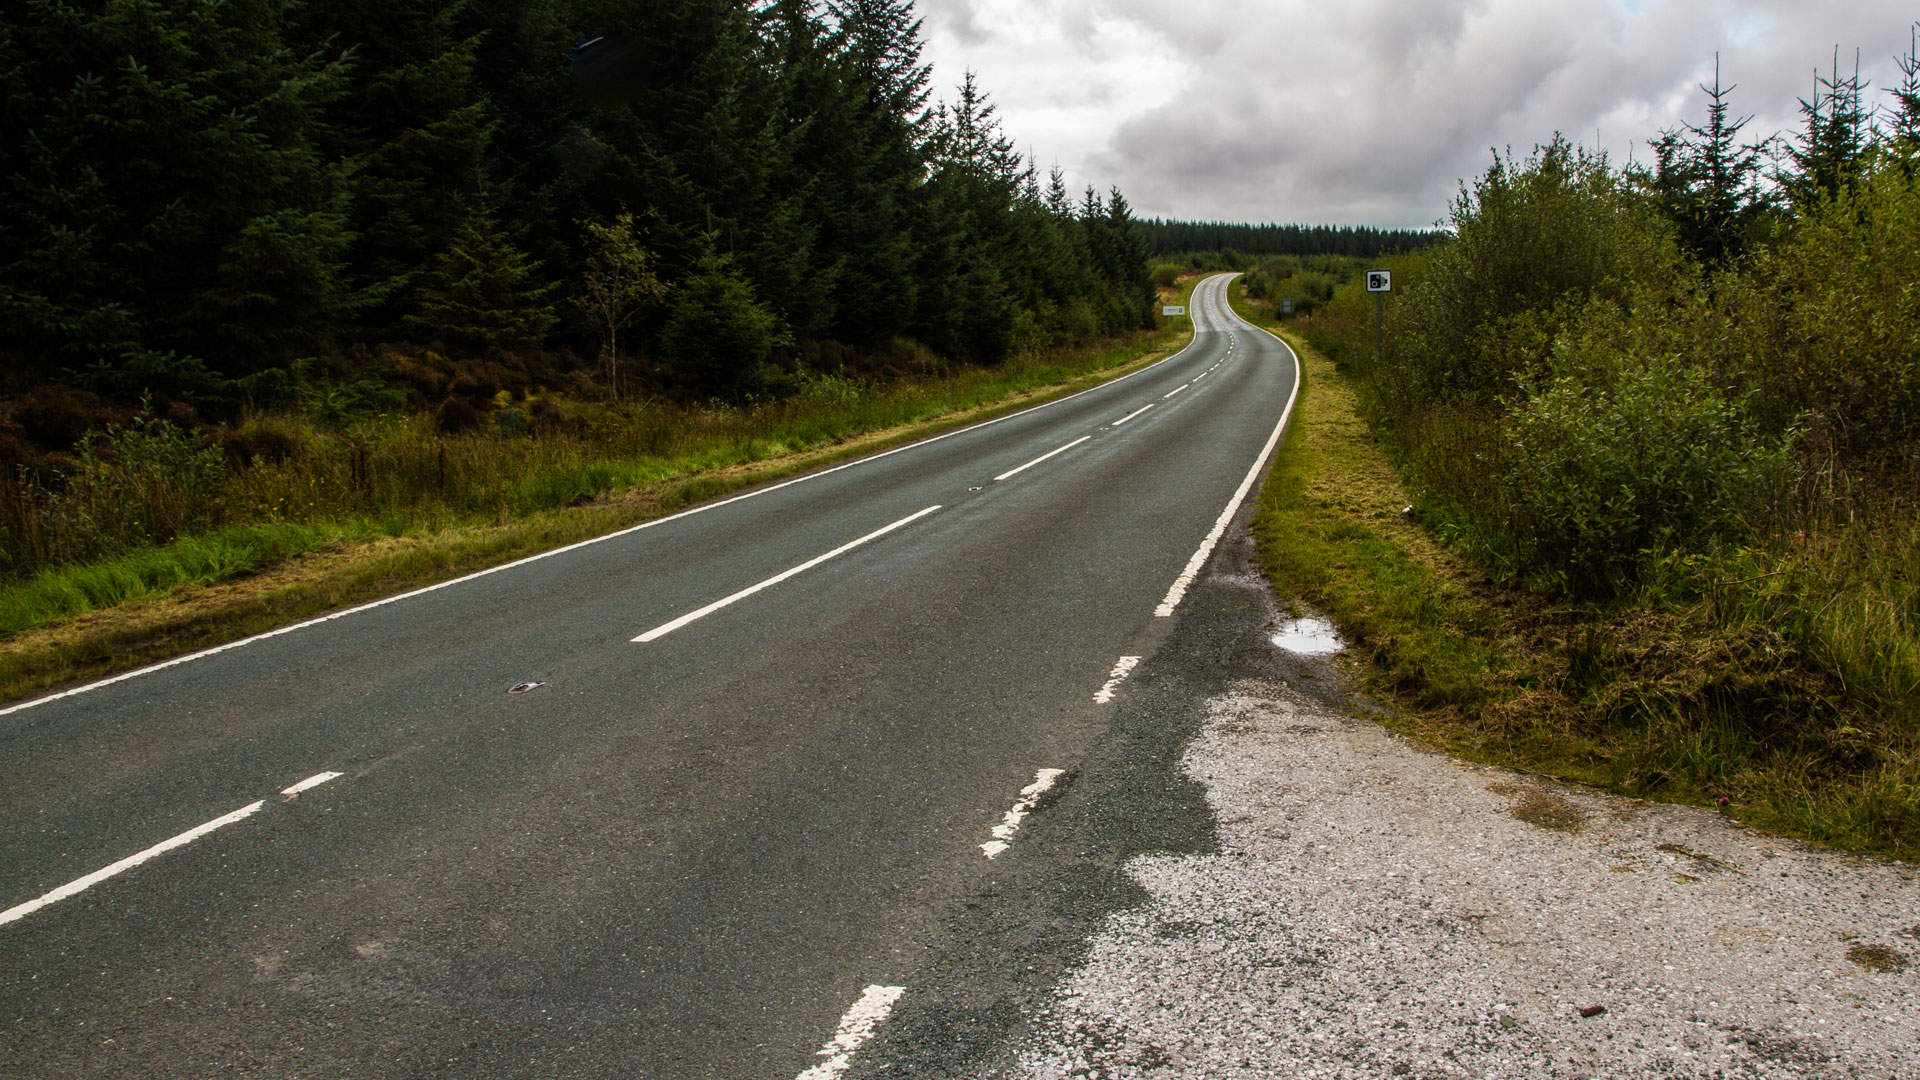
<point x="80" y="885"/>
<point x="1029" y="798"/>
<point x="856" y="1027"/>
<point x="669" y="627"/>
<point x="1115" y="677"/>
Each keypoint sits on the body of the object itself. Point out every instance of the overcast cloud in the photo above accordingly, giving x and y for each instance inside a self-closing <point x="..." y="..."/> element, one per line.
<point x="1372" y="111"/>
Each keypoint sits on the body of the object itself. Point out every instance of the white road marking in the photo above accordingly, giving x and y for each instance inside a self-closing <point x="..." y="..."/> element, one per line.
<point x="83" y="884"/>
<point x="1131" y="415"/>
<point x="1115" y="677"/>
<point x="1041" y="458"/>
<point x="1203" y="375"/>
<point x="1029" y="798"/>
<point x="875" y="1003"/>
<point x="667" y="628"/>
<point x="517" y="563"/>
<point x="1180" y="585"/>
<point x="313" y="781"/>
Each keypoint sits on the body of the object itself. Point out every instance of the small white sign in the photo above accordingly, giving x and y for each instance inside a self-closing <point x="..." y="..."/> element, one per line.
<point x="1173" y="309"/>
<point x="1379" y="281"/>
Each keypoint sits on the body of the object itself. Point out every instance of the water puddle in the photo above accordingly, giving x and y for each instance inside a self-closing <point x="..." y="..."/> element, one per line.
<point x="1308" y="636"/>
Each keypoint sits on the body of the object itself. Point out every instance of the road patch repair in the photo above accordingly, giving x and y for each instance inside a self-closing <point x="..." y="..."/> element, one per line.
<point x="1377" y="910"/>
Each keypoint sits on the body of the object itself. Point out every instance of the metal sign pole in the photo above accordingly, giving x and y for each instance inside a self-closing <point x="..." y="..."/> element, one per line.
<point x="1379" y="283"/>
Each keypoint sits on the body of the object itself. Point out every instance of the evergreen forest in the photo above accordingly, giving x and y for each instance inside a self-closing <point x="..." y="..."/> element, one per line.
<point x="708" y="199"/>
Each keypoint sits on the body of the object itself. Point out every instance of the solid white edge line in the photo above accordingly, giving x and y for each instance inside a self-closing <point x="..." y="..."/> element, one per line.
<point x="82" y="884"/>
<point x="856" y="1027"/>
<point x="313" y="781"/>
<point x="667" y="628"/>
<point x="1132" y="414"/>
<point x="1180" y="584"/>
<point x="1041" y="458"/>
<point x="463" y="579"/>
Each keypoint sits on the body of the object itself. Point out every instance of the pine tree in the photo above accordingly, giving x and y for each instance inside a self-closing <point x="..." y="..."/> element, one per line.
<point x="482" y="291"/>
<point x="1829" y="157"/>
<point x="160" y="186"/>
<point x="1705" y="181"/>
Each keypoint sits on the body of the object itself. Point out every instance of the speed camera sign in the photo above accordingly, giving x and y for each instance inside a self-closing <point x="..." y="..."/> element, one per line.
<point x="1379" y="281"/>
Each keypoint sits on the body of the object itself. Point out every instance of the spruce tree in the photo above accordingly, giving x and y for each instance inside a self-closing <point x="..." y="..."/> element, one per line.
<point x="719" y="334"/>
<point x="1903" y="136"/>
<point x="1829" y="157"/>
<point x="482" y="291"/>
<point x="1705" y="181"/>
<point x="414" y="128"/>
<point x="160" y="186"/>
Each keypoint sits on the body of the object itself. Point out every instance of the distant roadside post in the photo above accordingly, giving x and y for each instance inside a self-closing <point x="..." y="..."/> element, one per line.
<point x="1379" y="283"/>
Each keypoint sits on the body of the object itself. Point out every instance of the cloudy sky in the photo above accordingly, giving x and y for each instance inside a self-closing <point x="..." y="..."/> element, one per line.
<point x="1371" y="111"/>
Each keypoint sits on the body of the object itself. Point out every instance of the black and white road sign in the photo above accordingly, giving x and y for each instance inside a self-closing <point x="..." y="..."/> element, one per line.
<point x="1379" y="281"/>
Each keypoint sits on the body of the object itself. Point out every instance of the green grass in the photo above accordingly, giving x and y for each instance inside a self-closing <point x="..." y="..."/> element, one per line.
<point x="218" y="556"/>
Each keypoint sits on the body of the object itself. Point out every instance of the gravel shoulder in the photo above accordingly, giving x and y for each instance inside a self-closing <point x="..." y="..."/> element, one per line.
<point x="1374" y="909"/>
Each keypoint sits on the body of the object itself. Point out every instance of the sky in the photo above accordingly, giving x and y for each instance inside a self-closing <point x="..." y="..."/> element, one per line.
<point x="1371" y="112"/>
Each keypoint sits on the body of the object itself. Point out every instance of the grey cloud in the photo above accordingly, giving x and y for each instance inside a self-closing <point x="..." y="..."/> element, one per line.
<point x="1373" y="110"/>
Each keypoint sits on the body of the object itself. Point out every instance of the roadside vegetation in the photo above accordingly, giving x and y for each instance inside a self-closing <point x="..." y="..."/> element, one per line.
<point x="354" y="295"/>
<point x="155" y="544"/>
<point x="1652" y="516"/>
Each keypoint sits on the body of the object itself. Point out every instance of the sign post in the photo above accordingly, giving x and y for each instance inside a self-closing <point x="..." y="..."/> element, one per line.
<point x="1379" y="283"/>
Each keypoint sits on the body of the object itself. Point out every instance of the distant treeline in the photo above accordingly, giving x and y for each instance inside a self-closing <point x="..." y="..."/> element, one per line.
<point x="1170" y="237"/>
<point x="196" y="192"/>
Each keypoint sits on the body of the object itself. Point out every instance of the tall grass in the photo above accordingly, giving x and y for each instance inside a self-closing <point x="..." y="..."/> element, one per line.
<point x="146" y="508"/>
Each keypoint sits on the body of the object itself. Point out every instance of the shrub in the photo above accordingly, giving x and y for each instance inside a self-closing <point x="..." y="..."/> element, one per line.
<point x="1601" y="472"/>
<point x="1536" y="240"/>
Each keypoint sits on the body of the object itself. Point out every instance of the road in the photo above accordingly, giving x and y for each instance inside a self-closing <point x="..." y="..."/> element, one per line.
<point x="766" y="750"/>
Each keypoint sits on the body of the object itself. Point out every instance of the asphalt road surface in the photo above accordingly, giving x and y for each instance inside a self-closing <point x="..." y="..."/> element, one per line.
<point x="781" y="751"/>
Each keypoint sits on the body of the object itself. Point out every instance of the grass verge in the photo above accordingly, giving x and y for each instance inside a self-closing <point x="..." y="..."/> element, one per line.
<point x="1683" y="702"/>
<point x="93" y="620"/>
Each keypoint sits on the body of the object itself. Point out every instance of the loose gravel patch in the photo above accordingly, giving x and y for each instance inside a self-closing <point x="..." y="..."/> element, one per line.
<point x="1376" y="910"/>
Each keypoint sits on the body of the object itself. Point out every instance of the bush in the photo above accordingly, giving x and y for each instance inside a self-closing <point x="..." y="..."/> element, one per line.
<point x="139" y="485"/>
<point x="1601" y="472"/>
<point x="1536" y="240"/>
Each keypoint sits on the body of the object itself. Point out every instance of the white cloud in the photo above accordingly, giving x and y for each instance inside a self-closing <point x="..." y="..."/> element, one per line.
<point x="1372" y="111"/>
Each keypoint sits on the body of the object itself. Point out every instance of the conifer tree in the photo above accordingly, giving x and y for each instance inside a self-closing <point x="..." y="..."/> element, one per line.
<point x="719" y="333"/>
<point x="160" y="186"/>
<point x="414" y="128"/>
<point x="482" y="291"/>
<point x="1903" y="136"/>
<point x="1829" y="156"/>
<point x="1705" y="180"/>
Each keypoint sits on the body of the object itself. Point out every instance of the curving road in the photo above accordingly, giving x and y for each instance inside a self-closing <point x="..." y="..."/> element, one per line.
<point x="774" y="742"/>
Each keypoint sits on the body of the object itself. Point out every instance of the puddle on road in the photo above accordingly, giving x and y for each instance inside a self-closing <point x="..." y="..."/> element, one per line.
<point x="1308" y="636"/>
